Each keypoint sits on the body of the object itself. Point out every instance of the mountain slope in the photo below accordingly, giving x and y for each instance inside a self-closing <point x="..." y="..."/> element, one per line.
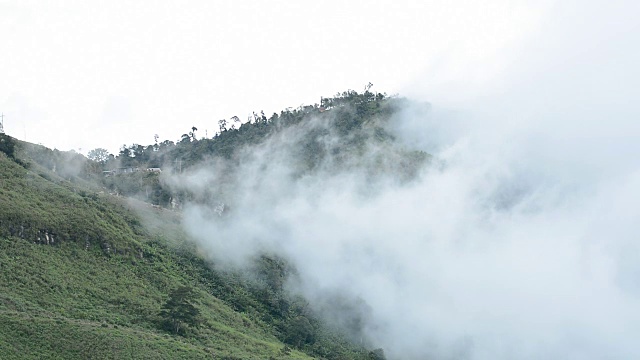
<point x="83" y="275"/>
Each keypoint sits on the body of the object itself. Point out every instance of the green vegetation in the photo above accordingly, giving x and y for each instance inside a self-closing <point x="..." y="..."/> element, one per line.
<point x="350" y="131"/>
<point x="179" y="312"/>
<point x="81" y="274"/>
<point x="88" y="274"/>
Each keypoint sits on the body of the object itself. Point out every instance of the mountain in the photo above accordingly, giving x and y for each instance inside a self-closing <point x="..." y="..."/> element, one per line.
<point x="95" y="266"/>
<point x="85" y="275"/>
<point x="348" y="133"/>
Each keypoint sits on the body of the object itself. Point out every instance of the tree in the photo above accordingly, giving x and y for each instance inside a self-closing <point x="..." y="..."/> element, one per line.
<point x="7" y="145"/>
<point x="124" y="152"/>
<point x="223" y="125"/>
<point x="235" y="120"/>
<point x="192" y="133"/>
<point x="99" y="155"/>
<point x="377" y="354"/>
<point x="299" y="332"/>
<point x="178" y="311"/>
<point x="166" y="144"/>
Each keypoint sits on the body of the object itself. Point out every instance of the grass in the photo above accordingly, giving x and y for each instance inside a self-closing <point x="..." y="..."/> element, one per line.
<point x="54" y="299"/>
<point x="96" y="290"/>
<point x="36" y="337"/>
<point x="95" y="286"/>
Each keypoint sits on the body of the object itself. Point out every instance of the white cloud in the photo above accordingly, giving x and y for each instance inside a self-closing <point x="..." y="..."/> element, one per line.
<point x="521" y="244"/>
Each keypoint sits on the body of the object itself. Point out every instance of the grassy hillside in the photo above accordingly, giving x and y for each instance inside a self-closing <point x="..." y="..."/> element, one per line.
<point x="83" y="275"/>
<point x="87" y="274"/>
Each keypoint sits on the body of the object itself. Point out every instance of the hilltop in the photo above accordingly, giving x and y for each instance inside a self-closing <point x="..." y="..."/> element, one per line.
<point x="352" y="132"/>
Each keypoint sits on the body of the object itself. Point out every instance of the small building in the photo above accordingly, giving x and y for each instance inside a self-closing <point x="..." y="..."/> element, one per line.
<point x="128" y="170"/>
<point x="119" y="171"/>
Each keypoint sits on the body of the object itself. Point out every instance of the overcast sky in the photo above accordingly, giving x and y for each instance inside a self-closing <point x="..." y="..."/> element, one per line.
<point x="523" y="243"/>
<point x="531" y="97"/>
<point x="87" y="74"/>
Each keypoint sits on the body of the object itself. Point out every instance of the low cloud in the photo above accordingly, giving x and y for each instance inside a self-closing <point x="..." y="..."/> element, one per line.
<point x="517" y="240"/>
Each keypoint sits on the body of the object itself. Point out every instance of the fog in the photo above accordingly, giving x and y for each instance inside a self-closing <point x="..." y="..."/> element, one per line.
<point x="518" y="240"/>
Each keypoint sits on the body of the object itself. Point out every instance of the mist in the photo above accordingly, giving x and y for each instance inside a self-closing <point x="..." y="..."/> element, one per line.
<point x="517" y="240"/>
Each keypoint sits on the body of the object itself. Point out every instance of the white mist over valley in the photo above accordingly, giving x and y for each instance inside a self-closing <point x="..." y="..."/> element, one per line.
<point x="516" y="240"/>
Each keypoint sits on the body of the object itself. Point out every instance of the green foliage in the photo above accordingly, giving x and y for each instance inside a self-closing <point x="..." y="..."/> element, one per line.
<point x="40" y="337"/>
<point x="86" y="274"/>
<point x="142" y="185"/>
<point x="299" y="332"/>
<point x="68" y="165"/>
<point x="348" y="113"/>
<point x="7" y="145"/>
<point x="41" y="207"/>
<point x="377" y="354"/>
<point x="99" y="155"/>
<point x="350" y="131"/>
<point x="178" y="312"/>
